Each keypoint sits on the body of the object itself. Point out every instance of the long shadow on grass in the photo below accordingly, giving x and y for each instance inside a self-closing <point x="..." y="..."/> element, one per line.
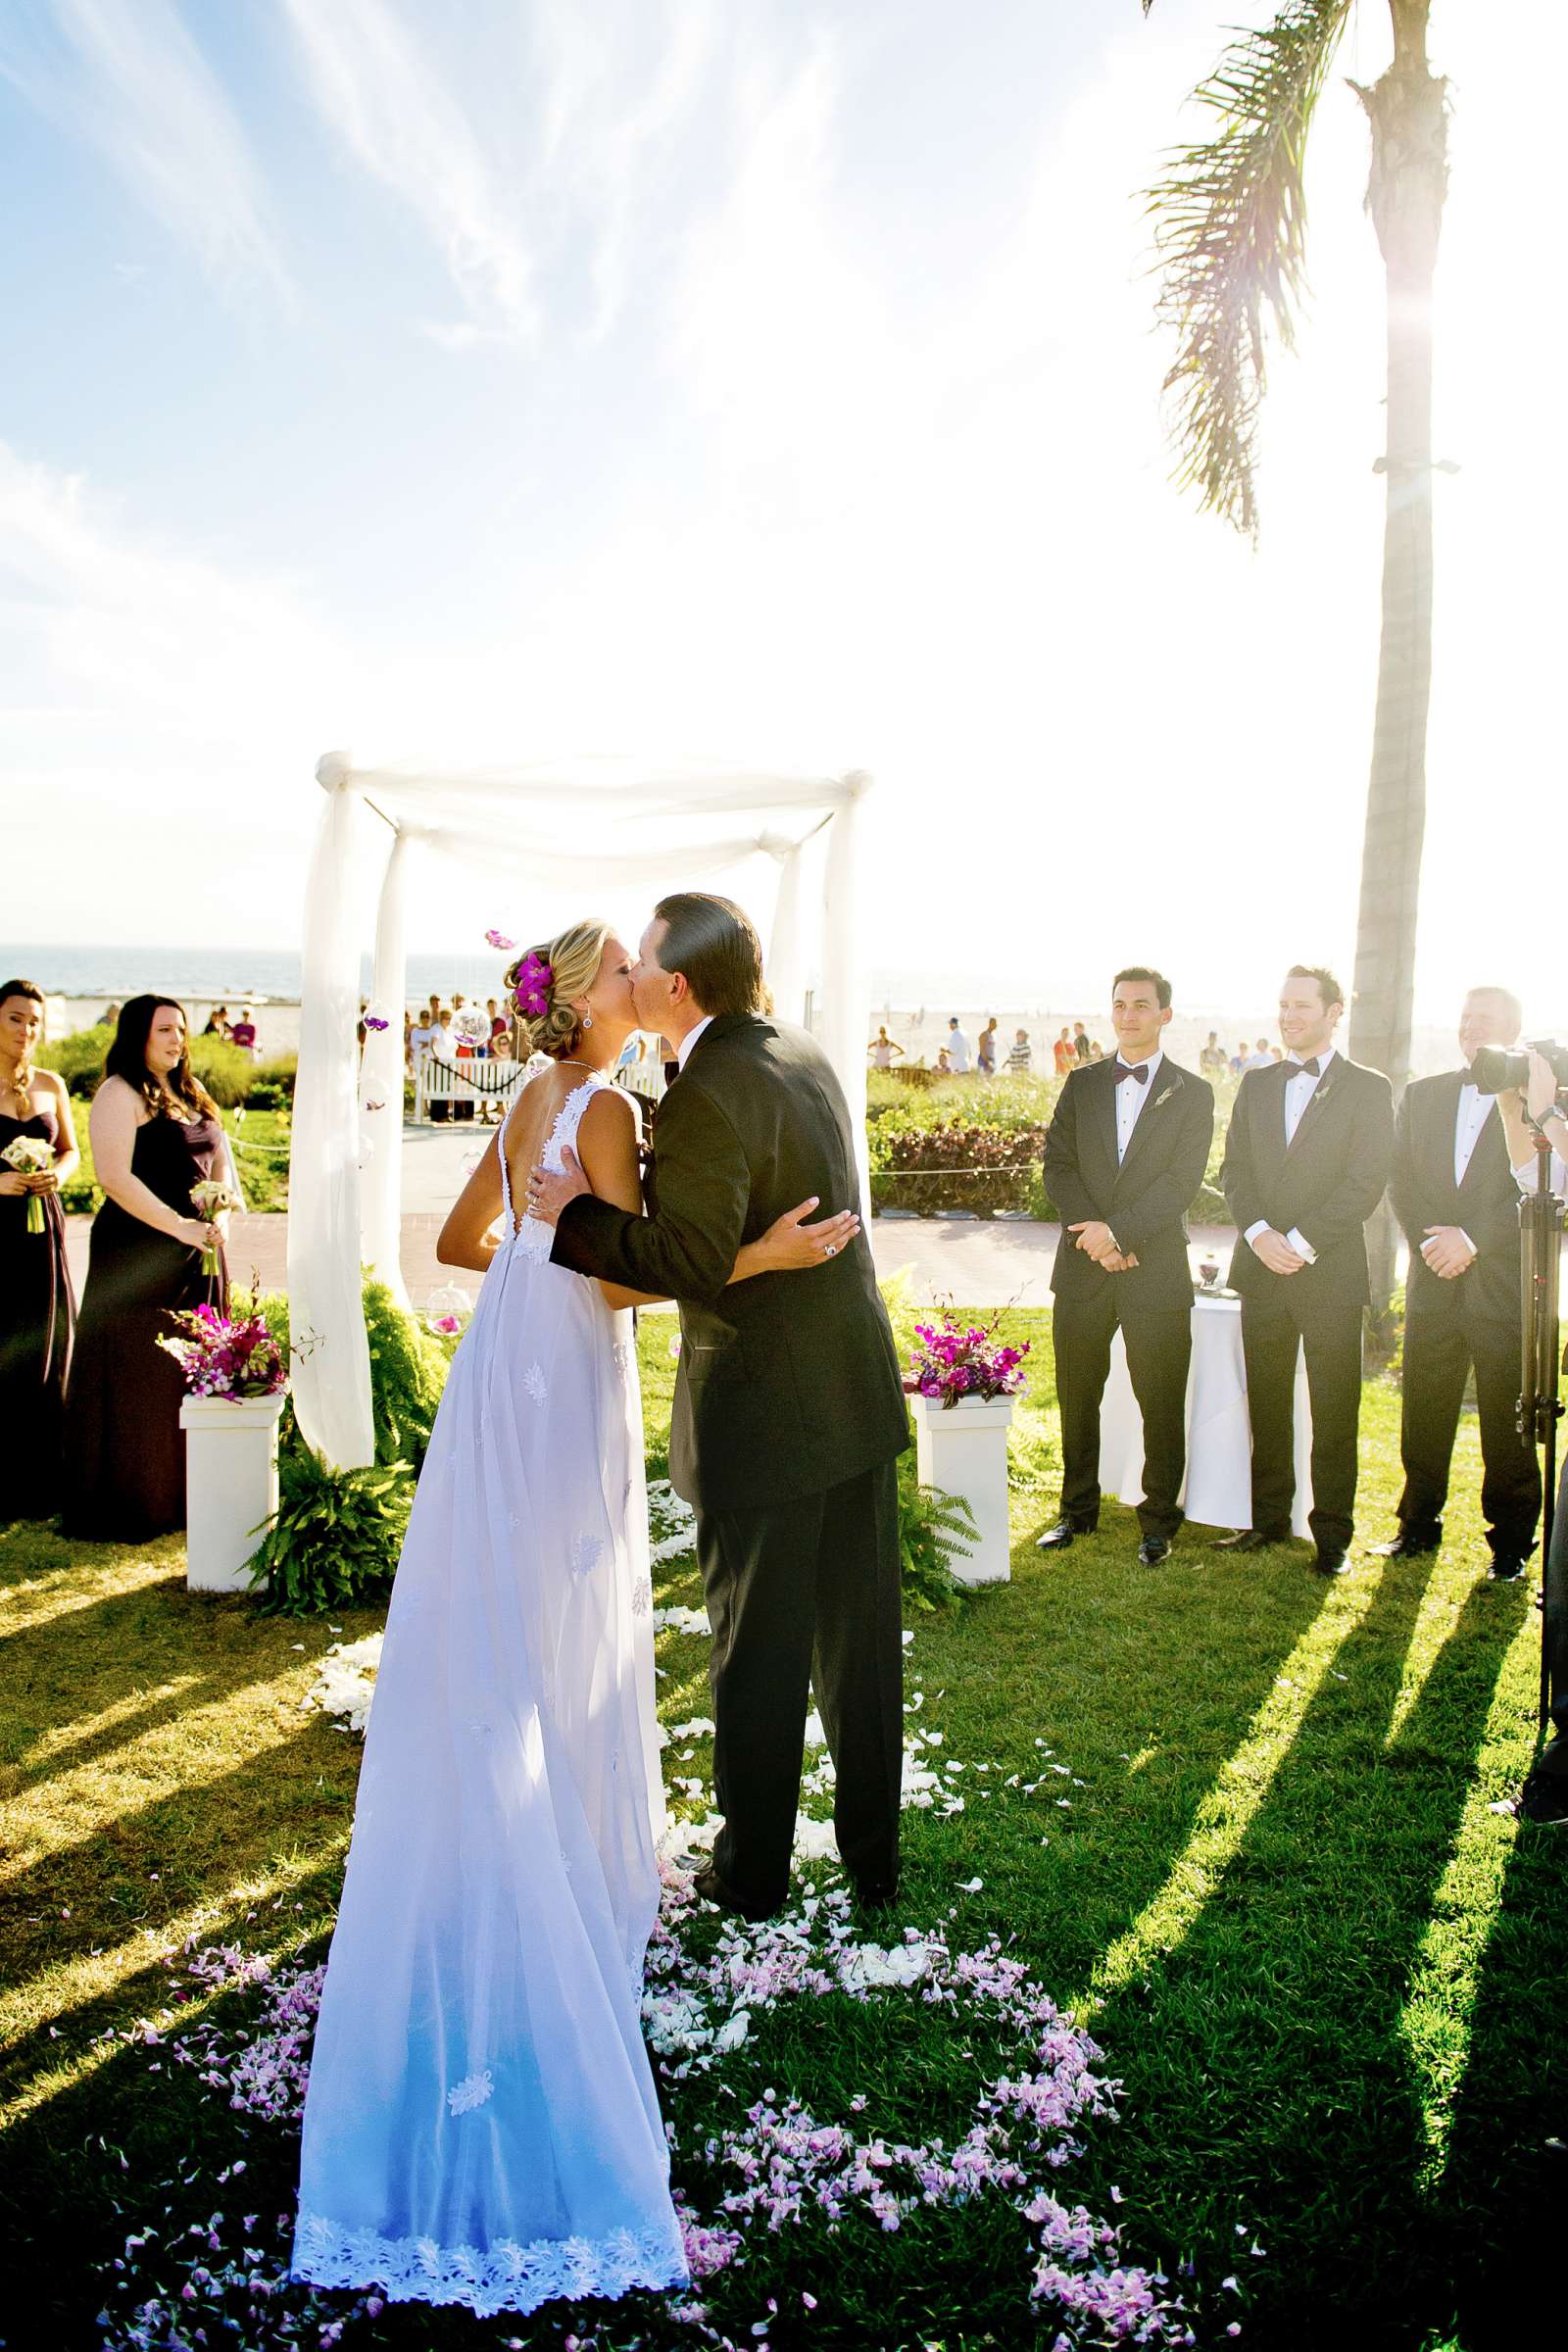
<point x="1144" y="1682"/>
<point x="1268" y="2082"/>
<point x="81" y="2168"/>
<point x="1500" y="2201"/>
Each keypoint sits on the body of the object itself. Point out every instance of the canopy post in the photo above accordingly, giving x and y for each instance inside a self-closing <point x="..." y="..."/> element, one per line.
<point x="381" y="1086"/>
<point x="331" y="1378"/>
<point x="846" y="989"/>
<point x="786" y="959"/>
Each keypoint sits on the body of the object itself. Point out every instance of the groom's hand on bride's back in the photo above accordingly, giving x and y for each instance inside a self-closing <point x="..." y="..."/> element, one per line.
<point x="549" y="1189"/>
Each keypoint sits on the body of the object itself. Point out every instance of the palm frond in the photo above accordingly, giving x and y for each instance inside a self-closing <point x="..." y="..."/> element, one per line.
<point x="1230" y="223"/>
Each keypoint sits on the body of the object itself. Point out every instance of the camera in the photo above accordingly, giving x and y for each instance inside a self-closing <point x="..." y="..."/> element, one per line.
<point x="1495" y="1068"/>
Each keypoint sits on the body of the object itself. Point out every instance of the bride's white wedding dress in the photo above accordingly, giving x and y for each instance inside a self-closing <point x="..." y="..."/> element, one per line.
<point x="481" y="2125"/>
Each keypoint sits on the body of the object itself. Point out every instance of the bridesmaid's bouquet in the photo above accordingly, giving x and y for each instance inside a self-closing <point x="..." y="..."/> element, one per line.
<point x="30" y="1156"/>
<point x="210" y="1199"/>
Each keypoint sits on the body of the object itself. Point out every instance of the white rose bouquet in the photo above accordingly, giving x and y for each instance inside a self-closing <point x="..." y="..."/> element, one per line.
<point x="30" y="1156"/>
<point x="210" y="1199"/>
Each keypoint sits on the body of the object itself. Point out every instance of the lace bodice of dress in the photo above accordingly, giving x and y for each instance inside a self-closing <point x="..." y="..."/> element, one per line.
<point x="531" y="1238"/>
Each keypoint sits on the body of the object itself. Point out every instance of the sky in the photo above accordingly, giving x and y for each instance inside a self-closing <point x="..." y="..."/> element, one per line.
<point x="762" y="381"/>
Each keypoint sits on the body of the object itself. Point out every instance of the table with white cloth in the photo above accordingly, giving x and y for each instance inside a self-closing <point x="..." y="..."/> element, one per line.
<point x="1217" y="1491"/>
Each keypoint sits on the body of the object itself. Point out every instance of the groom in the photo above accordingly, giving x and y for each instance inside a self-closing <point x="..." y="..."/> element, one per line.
<point x="786" y="1425"/>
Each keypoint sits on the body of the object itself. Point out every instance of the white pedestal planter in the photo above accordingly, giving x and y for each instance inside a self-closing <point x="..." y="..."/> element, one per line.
<point x="964" y="1449"/>
<point x="231" y="1486"/>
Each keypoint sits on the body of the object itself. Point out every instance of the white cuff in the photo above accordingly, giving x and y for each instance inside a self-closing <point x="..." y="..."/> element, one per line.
<point x="1301" y="1245"/>
<point x="1252" y="1230"/>
<point x="1468" y="1242"/>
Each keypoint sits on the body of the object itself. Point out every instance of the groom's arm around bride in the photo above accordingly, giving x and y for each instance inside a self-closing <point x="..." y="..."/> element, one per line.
<point x="788" y="1414"/>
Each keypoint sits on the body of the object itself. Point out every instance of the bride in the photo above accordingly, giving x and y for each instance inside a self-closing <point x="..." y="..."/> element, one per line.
<point x="481" y="2125"/>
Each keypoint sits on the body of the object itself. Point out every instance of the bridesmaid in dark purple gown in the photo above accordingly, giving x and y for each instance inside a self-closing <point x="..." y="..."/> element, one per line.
<point x="37" y="1306"/>
<point x="155" y="1133"/>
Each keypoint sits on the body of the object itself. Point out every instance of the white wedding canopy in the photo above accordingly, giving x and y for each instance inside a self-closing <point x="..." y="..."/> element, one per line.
<point x="587" y="825"/>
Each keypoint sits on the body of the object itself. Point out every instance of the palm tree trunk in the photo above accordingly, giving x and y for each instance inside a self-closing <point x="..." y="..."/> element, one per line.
<point x="1407" y="108"/>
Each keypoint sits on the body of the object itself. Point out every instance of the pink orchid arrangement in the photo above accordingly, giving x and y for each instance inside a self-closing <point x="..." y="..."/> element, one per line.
<point x="499" y="941"/>
<point x="953" y="1363"/>
<point x="223" y="1357"/>
<point x="535" y="979"/>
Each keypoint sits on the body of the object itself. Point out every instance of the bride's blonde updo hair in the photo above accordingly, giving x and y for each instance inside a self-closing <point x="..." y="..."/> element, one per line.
<point x="573" y="956"/>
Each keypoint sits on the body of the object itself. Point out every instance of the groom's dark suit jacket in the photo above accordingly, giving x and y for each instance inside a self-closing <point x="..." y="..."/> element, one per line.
<point x="1145" y="1198"/>
<point x="1325" y="1184"/>
<point x="788" y="1383"/>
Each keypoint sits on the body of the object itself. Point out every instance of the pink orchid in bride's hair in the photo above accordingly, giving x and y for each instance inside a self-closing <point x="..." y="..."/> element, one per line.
<point x="499" y="941"/>
<point x="531" y="994"/>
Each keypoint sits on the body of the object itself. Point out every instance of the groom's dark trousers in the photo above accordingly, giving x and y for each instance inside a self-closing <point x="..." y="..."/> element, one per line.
<point x="1144" y="1199"/>
<point x="787" y="1422"/>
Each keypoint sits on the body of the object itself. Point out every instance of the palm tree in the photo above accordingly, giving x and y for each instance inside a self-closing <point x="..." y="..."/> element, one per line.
<point x="1230" y="229"/>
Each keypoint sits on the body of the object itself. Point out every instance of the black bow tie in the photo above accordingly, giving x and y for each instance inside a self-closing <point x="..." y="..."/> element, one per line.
<point x="1307" y="1069"/>
<point x="1126" y="1071"/>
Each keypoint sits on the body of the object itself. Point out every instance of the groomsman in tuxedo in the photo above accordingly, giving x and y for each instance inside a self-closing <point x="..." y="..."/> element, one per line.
<point x="1455" y="1195"/>
<point x="1306" y="1160"/>
<point x="1125" y="1153"/>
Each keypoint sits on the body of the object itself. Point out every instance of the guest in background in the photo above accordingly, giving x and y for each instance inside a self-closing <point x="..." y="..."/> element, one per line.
<point x="1238" y="1059"/>
<point x="882" y="1049"/>
<point x="1455" y="1195"/>
<point x="217" y="1022"/>
<point x="37" y="1306"/>
<point x="1259" y="1059"/>
<point x="243" y="1033"/>
<point x="1080" y="1044"/>
<point x="943" y="1063"/>
<point x="1062" y="1054"/>
<point x="1125" y="1153"/>
<point x="1018" y="1054"/>
<point x="443" y="1051"/>
<point x="1097" y="1052"/>
<point x="1306" y="1160"/>
<point x="957" y="1049"/>
<point x="108" y="1018"/>
<point x="986" y="1050"/>
<point x="155" y="1133"/>
<point x="1212" y="1060"/>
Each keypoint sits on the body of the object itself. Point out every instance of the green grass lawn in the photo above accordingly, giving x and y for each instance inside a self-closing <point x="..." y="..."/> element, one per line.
<point x="1329" y="1978"/>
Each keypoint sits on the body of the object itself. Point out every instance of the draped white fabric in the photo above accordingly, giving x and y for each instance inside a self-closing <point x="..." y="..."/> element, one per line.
<point x="326" y="1320"/>
<point x="594" y="824"/>
<point x="381" y="1085"/>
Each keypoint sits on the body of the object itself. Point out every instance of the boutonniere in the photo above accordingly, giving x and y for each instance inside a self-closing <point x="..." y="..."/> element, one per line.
<point x="1165" y="1097"/>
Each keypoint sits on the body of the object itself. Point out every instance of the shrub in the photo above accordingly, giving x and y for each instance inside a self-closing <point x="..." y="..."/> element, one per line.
<point x="226" y="1071"/>
<point x="336" y="1535"/>
<point x="272" y="1085"/>
<point x="982" y="1167"/>
<point x="78" y="1058"/>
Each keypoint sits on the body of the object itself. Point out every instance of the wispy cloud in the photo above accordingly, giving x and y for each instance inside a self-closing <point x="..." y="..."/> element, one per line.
<point x="383" y="92"/>
<point x="125" y="77"/>
<point x="538" y="149"/>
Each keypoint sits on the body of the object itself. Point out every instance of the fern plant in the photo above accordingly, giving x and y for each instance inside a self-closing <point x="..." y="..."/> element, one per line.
<point x="934" y="1530"/>
<point x="334" y="1540"/>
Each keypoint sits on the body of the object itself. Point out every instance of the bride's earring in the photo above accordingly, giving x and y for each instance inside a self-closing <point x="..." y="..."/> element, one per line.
<point x="587" y="1020"/>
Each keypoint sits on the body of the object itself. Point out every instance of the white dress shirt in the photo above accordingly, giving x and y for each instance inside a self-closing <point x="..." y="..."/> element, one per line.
<point x="1475" y="1108"/>
<point x="1131" y="1098"/>
<point x="1299" y="1092"/>
<point x="683" y="1052"/>
<point x="958" y="1051"/>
